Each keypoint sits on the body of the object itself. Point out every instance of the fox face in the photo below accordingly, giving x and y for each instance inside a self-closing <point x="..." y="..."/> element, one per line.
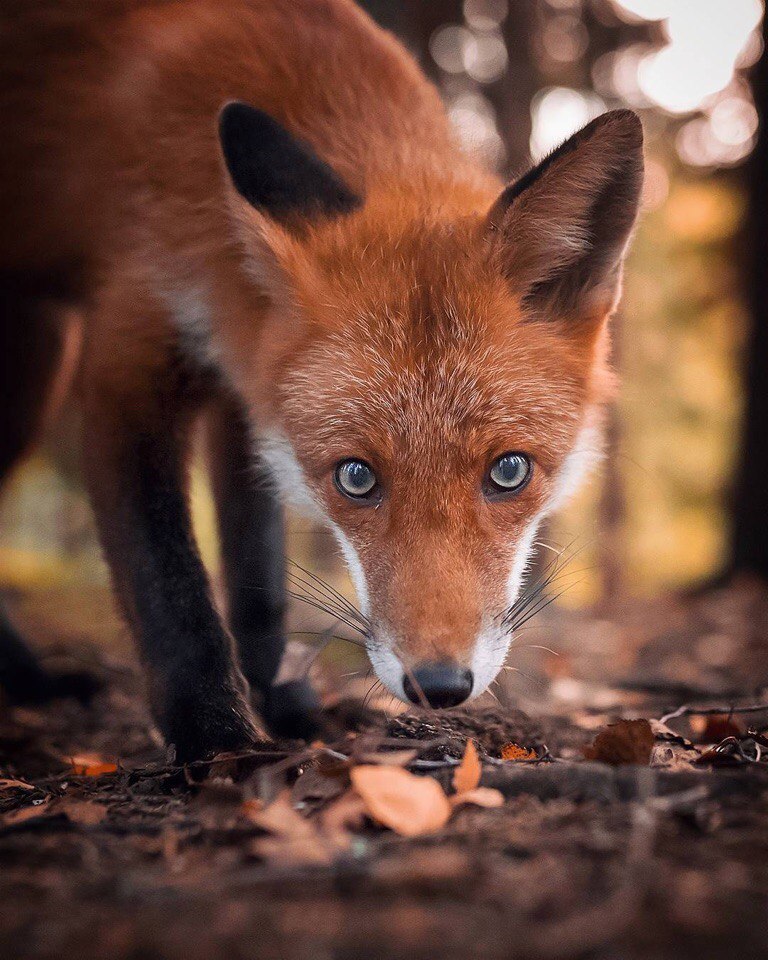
<point x="430" y="377"/>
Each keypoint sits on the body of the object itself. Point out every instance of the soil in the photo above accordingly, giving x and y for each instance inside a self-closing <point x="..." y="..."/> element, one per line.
<point x="584" y="858"/>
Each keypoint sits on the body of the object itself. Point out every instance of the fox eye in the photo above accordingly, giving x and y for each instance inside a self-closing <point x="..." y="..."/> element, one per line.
<point x="509" y="473"/>
<point x="355" y="478"/>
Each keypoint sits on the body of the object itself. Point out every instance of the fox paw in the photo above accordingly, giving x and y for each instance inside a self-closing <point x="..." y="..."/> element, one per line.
<point x="291" y="710"/>
<point x="199" y="727"/>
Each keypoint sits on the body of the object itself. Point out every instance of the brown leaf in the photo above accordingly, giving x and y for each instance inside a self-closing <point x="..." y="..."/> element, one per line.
<point x="628" y="741"/>
<point x="467" y="775"/>
<point x="397" y="799"/>
<point x="85" y="813"/>
<point x="716" y="728"/>
<point x="344" y="815"/>
<point x="294" y="838"/>
<point x="91" y="765"/>
<point x="513" y="751"/>
<point x="14" y="785"/>
<point x="279" y="817"/>
<point x="293" y="850"/>
<point x="480" y="797"/>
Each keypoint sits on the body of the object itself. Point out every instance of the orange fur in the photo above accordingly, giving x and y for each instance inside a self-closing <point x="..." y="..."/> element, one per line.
<point x="400" y="333"/>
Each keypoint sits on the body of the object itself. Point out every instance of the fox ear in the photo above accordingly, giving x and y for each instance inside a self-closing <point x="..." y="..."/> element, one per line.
<point x="559" y="232"/>
<point x="277" y="174"/>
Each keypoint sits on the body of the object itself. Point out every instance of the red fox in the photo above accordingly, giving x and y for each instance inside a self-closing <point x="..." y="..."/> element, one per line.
<point x="262" y="213"/>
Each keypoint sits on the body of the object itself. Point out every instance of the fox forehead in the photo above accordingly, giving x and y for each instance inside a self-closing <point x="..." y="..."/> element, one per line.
<point x="379" y="388"/>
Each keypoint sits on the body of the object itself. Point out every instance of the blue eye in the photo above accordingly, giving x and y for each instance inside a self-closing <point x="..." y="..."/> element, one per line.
<point x="355" y="478"/>
<point x="509" y="473"/>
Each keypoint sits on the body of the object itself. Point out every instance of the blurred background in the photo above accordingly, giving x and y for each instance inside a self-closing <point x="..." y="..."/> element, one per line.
<point x="681" y="502"/>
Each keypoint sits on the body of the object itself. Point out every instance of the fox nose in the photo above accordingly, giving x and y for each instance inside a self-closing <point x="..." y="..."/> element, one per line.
<point x="441" y="684"/>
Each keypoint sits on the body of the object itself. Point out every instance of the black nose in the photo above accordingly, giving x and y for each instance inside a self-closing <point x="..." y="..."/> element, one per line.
<point x="441" y="684"/>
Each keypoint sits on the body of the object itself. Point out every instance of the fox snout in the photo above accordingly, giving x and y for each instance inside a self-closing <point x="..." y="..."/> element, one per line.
<point x="438" y="685"/>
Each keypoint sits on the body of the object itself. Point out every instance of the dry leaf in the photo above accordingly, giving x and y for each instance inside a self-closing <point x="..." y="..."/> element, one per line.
<point x="86" y="813"/>
<point x="14" y="785"/>
<point x="91" y="765"/>
<point x="341" y="817"/>
<point x="479" y="797"/>
<point x="293" y="850"/>
<point x="397" y="799"/>
<point x="628" y="741"/>
<point x="294" y="838"/>
<point x="279" y="817"/>
<point x="467" y="775"/>
<point x="716" y="728"/>
<point x="513" y="751"/>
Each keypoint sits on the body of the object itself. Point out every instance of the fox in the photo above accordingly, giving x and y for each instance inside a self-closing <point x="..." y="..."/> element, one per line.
<point x="264" y="218"/>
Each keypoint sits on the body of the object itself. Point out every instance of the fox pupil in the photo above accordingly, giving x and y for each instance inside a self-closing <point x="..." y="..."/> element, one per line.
<point x="355" y="478"/>
<point x="511" y="471"/>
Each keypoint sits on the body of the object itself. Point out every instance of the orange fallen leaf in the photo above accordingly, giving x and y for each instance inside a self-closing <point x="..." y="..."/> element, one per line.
<point x="479" y="797"/>
<point x="14" y="785"/>
<point x="467" y="775"/>
<point x="513" y="751"/>
<point x="91" y="765"/>
<point x="628" y="741"/>
<point x="397" y="799"/>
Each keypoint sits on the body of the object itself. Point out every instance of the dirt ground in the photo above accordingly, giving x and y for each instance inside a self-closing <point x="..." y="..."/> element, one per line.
<point x="107" y="850"/>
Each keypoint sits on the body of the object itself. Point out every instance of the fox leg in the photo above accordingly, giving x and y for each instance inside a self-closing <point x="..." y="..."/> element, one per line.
<point x="30" y="346"/>
<point x="136" y="435"/>
<point x="252" y="546"/>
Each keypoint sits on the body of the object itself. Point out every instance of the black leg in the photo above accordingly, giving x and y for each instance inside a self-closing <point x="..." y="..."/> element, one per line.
<point x="26" y="681"/>
<point x="30" y="343"/>
<point x="252" y="543"/>
<point x="135" y="462"/>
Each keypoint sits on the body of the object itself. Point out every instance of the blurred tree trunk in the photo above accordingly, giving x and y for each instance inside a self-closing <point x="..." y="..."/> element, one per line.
<point x="611" y="508"/>
<point x="414" y="22"/>
<point x="750" y="510"/>
<point x="512" y="95"/>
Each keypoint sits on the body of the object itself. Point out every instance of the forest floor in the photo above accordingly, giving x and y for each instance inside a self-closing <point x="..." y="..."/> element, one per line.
<point x="655" y="848"/>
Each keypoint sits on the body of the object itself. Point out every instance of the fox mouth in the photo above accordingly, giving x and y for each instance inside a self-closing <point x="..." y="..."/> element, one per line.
<point x="435" y="684"/>
<point x="443" y="682"/>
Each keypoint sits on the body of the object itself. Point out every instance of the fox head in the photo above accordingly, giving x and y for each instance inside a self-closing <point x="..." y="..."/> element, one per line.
<point x="429" y="372"/>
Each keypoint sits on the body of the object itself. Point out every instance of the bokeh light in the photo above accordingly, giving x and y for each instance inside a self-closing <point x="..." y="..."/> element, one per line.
<point x="705" y="40"/>
<point x="474" y="119"/>
<point x="557" y="112"/>
<point x="485" y="14"/>
<point x="565" y="38"/>
<point x="485" y="57"/>
<point x="646" y="9"/>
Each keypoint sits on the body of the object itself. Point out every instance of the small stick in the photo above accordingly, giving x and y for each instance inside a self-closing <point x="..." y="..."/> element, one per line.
<point x="688" y="710"/>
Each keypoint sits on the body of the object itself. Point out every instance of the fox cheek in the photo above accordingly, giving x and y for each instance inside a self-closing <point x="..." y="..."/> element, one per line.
<point x="275" y="450"/>
<point x="355" y="567"/>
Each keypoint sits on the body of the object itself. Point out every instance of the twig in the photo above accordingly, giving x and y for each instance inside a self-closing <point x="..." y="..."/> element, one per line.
<point x="688" y="710"/>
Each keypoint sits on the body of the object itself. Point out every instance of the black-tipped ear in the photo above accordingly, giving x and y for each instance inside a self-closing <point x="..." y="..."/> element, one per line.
<point x="560" y="232"/>
<point x="276" y="173"/>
